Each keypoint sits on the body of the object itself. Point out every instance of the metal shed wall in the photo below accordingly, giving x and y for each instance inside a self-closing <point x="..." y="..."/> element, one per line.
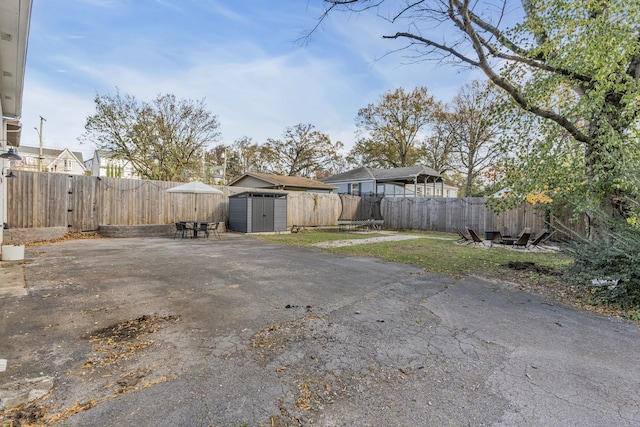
<point x="238" y="214"/>
<point x="254" y="212"/>
<point x="280" y="214"/>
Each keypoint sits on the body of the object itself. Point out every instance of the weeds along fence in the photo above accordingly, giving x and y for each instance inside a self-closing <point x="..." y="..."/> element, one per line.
<point x="83" y="203"/>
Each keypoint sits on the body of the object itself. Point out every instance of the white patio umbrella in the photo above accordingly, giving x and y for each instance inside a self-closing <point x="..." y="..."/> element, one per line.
<point x="195" y="188"/>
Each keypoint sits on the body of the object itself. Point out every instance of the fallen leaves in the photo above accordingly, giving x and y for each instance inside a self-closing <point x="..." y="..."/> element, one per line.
<point x="69" y="236"/>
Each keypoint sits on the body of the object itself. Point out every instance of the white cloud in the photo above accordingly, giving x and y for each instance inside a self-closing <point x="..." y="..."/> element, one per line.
<point x="258" y="98"/>
<point x="256" y="88"/>
<point x="64" y="112"/>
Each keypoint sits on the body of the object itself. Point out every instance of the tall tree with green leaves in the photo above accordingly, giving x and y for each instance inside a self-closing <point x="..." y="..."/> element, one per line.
<point x="164" y="139"/>
<point x="572" y="64"/>
<point x="389" y="131"/>
<point x="302" y="151"/>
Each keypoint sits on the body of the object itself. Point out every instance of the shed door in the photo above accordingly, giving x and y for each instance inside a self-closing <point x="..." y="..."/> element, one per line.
<point x="262" y="214"/>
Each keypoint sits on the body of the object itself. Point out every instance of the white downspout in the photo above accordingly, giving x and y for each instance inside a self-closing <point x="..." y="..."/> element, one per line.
<point x="3" y="184"/>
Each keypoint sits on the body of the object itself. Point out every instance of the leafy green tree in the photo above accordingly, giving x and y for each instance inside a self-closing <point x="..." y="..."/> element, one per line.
<point x="302" y="151"/>
<point x="389" y="131"/>
<point x="165" y="139"/>
<point x="573" y="64"/>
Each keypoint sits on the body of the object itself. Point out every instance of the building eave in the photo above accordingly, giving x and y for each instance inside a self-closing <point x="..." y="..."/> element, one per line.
<point x="15" y="17"/>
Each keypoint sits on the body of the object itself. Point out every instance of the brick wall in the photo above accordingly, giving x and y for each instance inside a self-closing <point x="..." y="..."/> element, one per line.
<point x="147" y="230"/>
<point x="19" y="236"/>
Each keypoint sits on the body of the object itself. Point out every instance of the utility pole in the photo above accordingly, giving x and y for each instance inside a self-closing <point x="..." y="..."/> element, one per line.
<point x="42" y="119"/>
<point x="224" y="166"/>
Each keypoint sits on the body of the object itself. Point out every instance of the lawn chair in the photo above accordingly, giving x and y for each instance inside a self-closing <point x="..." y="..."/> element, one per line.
<point x="523" y="239"/>
<point x="475" y="238"/>
<point x="540" y="238"/>
<point x="464" y="239"/>
<point x="496" y="238"/>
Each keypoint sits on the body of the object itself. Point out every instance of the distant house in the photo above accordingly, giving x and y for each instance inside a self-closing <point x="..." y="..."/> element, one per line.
<point x="280" y="182"/>
<point x="103" y="164"/>
<point x="49" y="160"/>
<point x="411" y="181"/>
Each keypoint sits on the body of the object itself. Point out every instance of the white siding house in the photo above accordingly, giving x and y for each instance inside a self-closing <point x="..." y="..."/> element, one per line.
<point x="49" y="160"/>
<point x="103" y="164"/>
<point x="411" y="181"/>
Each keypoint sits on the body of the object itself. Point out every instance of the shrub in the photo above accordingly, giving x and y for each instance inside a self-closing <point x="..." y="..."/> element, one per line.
<point x="610" y="265"/>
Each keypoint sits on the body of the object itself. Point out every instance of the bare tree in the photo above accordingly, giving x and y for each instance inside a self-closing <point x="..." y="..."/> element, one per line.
<point x="303" y="151"/>
<point x="472" y="132"/>
<point x="164" y="140"/>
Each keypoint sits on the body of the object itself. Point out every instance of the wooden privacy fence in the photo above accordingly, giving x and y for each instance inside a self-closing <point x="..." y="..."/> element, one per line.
<point x="356" y="208"/>
<point x="442" y="214"/>
<point x="83" y="203"/>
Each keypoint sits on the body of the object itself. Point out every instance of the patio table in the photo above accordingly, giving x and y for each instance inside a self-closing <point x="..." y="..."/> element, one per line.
<point x="194" y="229"/>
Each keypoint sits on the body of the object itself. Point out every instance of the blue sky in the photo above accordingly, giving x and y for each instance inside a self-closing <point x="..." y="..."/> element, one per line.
<point x="243" y="57"/>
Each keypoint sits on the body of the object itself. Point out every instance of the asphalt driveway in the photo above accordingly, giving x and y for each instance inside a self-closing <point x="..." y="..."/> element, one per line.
<point x="237" y="332"/>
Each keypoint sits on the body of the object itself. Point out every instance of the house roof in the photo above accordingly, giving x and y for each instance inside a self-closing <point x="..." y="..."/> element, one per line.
<point x="283" y="182"/>
<point x="50" y="152"/>
<point x="406" y="174"/>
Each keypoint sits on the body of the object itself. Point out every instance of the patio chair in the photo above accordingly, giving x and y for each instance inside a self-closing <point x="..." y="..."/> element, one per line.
<point x="523" y="238"/>
<point x="540" y="238"/>
<point x="474" y="237"/>
<point x="203" y="229"/>
<point x="182" y="229"/>
<point x="463" y="239"/>
<point x="496" y="238"/>
<point x="213" y="228"/>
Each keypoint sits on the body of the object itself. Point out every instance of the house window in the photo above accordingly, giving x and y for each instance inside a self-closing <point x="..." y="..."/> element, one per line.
<point x="448" y="194"/>
<point x="355" y="189"/>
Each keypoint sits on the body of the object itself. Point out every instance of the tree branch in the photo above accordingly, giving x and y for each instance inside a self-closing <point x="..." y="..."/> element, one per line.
<point x="483" y="64"/>
<point x="434" y="44"/>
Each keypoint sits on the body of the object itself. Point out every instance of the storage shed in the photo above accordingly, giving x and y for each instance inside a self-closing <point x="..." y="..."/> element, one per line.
<point x="258" y="212"/>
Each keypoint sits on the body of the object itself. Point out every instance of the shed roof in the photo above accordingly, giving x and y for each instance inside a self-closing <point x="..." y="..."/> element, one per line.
<point x="260" y="193"/>
<point x="282" y="181"/>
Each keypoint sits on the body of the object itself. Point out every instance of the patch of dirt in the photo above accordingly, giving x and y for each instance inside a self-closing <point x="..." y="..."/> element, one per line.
<point x="131" y="329"/>
<point x="69" y="236"/>
<point x="351" y="242"/>
<point x="530" y="266"/>
<point x="114" y="369"/>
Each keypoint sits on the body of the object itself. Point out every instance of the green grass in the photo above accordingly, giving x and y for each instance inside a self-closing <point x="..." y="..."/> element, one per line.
<point x="438" y="253"/>
<point x="438" y="256"/>
<point x="432" y="253"/>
